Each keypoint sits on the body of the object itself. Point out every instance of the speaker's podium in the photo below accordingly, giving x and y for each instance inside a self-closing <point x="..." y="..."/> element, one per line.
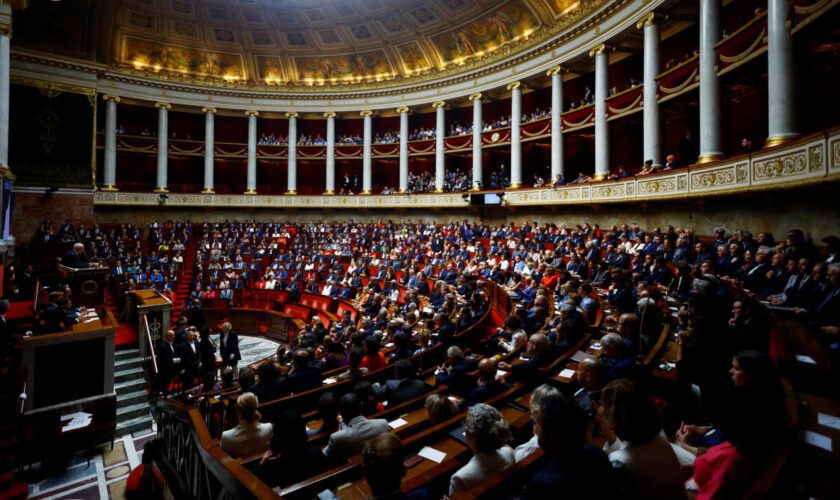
<point x="71" y="403"/>
<point x="86" y="284"/>
<point x="153" y="316"/>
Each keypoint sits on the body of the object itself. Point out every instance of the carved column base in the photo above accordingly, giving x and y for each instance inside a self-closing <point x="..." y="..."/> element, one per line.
<point x="208" y="191"/>
<point x="251" y="191"/>
<point x="161" y="190"/>
<point x="366" y="191"/>
<point x="329" y="192"/>
<point x="708" y="158"/>
<point x="438" y="190"/>
<point x="515" y="185"/>
<point x="108" y="187"/>
<point x="291" y="192"/>
<point x="779" y="140"/>
<point x="599" y="177"/>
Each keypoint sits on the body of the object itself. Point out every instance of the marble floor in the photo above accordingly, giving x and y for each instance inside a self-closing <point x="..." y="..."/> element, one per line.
<point x="102" y="474"/>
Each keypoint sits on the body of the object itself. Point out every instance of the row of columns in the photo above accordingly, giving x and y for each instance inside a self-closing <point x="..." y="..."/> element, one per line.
<point x="781" y="120"/>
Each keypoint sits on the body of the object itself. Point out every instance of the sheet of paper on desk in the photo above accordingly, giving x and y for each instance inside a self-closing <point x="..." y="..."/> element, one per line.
<point x="580" y="356"/>
<point x="77" y="423"/>
<point x="329" y="380"/>
<point x="567" y="373"/>
<point x="808" y="360"/>
<point x="396" y="424"/>
<point x="432" y="454"/>
<point x="78" y="414"/>
<point x="828" y="420"/>
<point x="501" y="374"/>
<point x="818" y="440"/>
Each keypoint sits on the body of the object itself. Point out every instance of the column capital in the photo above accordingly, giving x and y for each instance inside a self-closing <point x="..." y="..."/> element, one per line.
<point x="600" y="49"/>
<point x="650" y="19"/>
<point x="476" y="96"/>
<point x="211" y="111"/>
<point x="328" y="114"/>
<point x="252" y="112"/>
<point x="366" y="113"/>
<point x="292" y="114"/>
<point x="403" y="109"/>
<point x="163" y="105"/>
<point x="109" y="97"/>
<point x="514" y="85"/>
<point x="439" y="104"/>
<point x="6" y="19"/>
<point x="556" y="70"/>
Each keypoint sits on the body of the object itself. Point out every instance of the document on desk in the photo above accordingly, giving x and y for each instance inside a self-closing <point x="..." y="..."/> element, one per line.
<point x="580" y="356"/>
<point x="330" y="380"/>
<point x="396" y="424"/>
<point x="818" y="440"/>
<point x="567" y="373"/>
<point x="77" y="423"/>
<point x="432" y="454"/>
<point x="808" y="360"/>
<point x="828" y="420"/>
<point x="78" y="414"/>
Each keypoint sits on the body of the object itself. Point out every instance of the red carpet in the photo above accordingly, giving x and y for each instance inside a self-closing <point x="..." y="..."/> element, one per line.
<point x="126" y="335"/>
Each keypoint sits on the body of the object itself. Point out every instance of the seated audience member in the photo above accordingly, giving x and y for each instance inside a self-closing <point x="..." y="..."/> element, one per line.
<point x="488" y="385"/>
<point x="328" y="413"/>
<point x="528" y="447"/>
<point x="374" y="357"/>
<point x="618" y="361"/>
<point x="383" y="458"/>
<point x="250" y="436"/>
<point x="355" y="371"/>
<point x="591" y="377"/>
<point x="645" y="456"/>
<point x="576" y="469"/>
<point x="370" y="405"/>
<point x="454" y="373"/>
<point x="538" y="354"/>
<point x="403" y="387"/>
<point x="440" y="407"/>
<point x="754" y="428"/>
<point x="303" y="375"/>
<point x="269" y="386"/>
<point x="289" y="458"/>
<point x="487" y="434"/>
<point x="348" y="442"/>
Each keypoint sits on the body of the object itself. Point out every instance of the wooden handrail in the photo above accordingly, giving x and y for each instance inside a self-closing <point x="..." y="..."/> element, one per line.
<point x="149" y="343"/>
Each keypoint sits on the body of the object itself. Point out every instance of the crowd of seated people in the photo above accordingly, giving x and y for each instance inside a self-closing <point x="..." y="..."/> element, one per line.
<point x="560" y="277"/>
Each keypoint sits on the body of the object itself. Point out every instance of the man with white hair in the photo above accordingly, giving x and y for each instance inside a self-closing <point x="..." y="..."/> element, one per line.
<point x="76" y="257"/>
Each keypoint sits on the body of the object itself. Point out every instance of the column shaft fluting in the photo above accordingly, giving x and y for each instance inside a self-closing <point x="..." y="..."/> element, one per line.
<point x="557" y="163"/>
<point x="251" y="180"/>
<point x="602" y="128"/>
<point x="291" y="155"/>
<point x="162" y="146"/>
<point x="209" y="148"/>
<point x="403" y="149"/>
<point x="478" y="125"/>
<point x="109" y="167"/>
<point x="367" y="162"/>
<point x="711" y="142"/>
<point x="781" y="76"/>
<point x="440" y="137"/>
<point x="652" y="141"/>
<point x="330" y="181"/>
<point x="515" y="135"/>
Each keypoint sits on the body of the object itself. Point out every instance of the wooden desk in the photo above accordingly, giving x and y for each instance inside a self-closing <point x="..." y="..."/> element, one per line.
<point x="417" y="476"/>
<point x="671" y="354"/>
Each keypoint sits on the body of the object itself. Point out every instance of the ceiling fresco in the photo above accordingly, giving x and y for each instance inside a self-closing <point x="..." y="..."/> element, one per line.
<point x="292" y="42"/>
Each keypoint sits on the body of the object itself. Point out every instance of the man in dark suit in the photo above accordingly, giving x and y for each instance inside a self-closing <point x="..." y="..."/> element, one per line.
<point x="404" y="387"/>
<point x="422" y="285"/>
<point x="446" y="328"/>
<point x="538" y="354"/>
<point x="488" y="385"/>
<point x="190" y="358"/>
<point x="229" y="345"/>
<point x="168" y="361"/>
<point x="76" y="257"/>
<point x="454" y="373"/>
<point x="303" y="376"/>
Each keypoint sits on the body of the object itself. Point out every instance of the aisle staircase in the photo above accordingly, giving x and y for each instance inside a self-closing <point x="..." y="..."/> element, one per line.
<point x="132" y="397"/>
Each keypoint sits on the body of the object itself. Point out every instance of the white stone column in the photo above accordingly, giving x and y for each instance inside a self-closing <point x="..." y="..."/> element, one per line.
<point x="291" y="154"/>
<point x="440" y="137"/>
<point x="367" y="160"/>
<point x="251" y="179"/>
<point x="652" y="138"/>
<point x="5" y="73"/>
<point x="109" y="167"/>
<point x="781" y="75"/>
<point x="515" y="134"/>
<point x="557" y="162"/>
<point x="478" y="124"/>
<point x="209" y="149"/>
<point x="602" y="128"/>
<point x="403" y="111"/>
<point x="162" y="146"/>
<point x="711" y="135"/>
<point x="330" y="187"/>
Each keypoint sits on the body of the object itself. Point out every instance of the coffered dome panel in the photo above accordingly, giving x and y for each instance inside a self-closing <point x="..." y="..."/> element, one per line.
<point x="291" y="43"/>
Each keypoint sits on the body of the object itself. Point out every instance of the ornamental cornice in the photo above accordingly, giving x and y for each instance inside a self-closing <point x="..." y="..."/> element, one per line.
<point x="544" y="42"/>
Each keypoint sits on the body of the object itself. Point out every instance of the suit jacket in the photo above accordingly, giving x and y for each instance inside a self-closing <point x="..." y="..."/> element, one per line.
<point x="486" y="391"/>
<point x="350" y="441"/>
<point x="458" y="379"/>
<point x="207" y="355"/>
<point x="574" y="474"/>
<point x="399" y="391"/>
<point x="302" y="380"/>
<point x="423" y="287"/>
<point x="229" y="346"/>
<point x="166" y="354"/>
<point x="72" y="259"/>
<point x="190" y="359"/>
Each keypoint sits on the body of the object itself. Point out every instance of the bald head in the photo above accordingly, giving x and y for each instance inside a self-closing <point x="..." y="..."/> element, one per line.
<point x="537" y="344"/>
<point x="591" y="373"/>
<point x="487" y="369"/>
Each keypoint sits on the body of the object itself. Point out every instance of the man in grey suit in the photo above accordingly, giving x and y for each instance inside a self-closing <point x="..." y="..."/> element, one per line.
<point x="350" y="441"/>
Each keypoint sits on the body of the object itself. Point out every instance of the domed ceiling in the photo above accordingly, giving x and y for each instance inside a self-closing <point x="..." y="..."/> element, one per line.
<point x="290" y="43"/>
